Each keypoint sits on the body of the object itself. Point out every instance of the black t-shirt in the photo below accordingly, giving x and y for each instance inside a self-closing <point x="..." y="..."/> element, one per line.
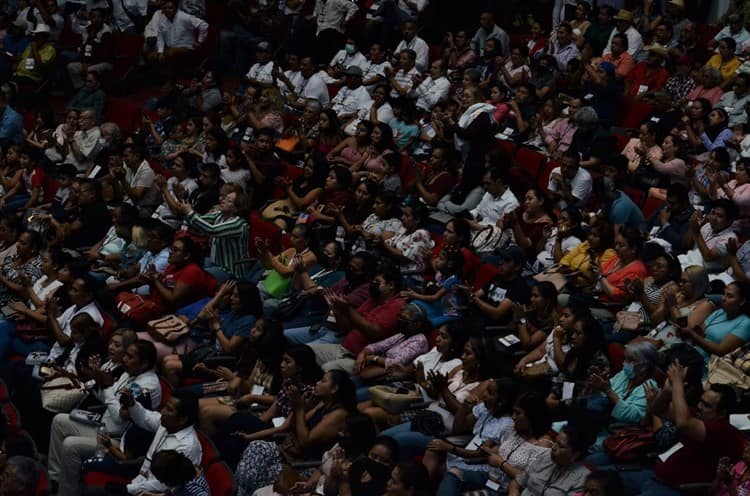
<point x="269" y="164"/>
<point x="500" y="289"/>
<point x="95" y="222"/>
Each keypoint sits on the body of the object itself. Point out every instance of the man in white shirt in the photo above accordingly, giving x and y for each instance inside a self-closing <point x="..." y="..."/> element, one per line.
<point x="433" y="89"/>
<point x="261" y="71"/>
<point x="735" y="30"/>
<point x="374" y="73"/>
<point x="82" y="147"/>
<point x="402" y="80"/>
<point x="124" y="11"/>
<point x="310" y="86"/>
<point x="570" y="184"/>
<point x="331" y="17"/>
<point x="413" y="42"/>
<point x="488" y="29"/>
<point x="624" y="25"/>
<point x="352" y="96"/>
<point x="291" y="74"/>
<point x="497" y="201"/>
<point x="135" y="180"/>
<point x="174" y="428"/>
<point x="349" y="56"/>
<point x="175" y="37"/>
<point x="72" y="442"/>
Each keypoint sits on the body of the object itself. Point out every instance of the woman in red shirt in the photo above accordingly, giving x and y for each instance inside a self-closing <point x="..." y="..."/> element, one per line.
<point x="626" y="266"/>
<point x="183" y="282"/>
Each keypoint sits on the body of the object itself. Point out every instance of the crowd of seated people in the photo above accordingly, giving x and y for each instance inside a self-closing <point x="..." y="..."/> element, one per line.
<point x="374" y="247"/>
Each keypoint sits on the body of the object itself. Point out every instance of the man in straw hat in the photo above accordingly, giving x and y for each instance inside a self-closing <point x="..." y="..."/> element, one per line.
<point x="37" y="57"/>
<point x="675" y="13"/>
<point x="624" y="25"/>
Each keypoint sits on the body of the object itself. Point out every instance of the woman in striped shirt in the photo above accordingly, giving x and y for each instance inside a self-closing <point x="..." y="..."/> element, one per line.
<point x="229" y="232"/>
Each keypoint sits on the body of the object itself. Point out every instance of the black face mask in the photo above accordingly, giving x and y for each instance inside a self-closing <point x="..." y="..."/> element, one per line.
<point x="353" y="278"/>
<point x="375" y="290"/>
<point x="377" y="470"/>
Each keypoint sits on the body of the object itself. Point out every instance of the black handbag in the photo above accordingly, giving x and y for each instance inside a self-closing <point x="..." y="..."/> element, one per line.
<point x="428" y="423"/>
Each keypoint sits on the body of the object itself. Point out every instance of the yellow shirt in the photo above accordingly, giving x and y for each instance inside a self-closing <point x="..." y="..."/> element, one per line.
<point x="28" y="66"/>
<point x="727" y="69"/>
<point x="578" y="258"/>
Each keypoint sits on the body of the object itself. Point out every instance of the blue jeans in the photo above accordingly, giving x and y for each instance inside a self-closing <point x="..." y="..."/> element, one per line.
<point x="644" y="483"/>
<point x="411" y="444"/>
<point x="302" y="335"/>
<point x="472" y="480"/>
<point x="219" y="273"/>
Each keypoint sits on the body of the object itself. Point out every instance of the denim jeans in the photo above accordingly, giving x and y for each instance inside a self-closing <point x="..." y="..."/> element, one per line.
<point x="411" y="444"/>
<point x="471" y="480"/>
<point x="302" y="335"/>
<point x="644" y="483"/>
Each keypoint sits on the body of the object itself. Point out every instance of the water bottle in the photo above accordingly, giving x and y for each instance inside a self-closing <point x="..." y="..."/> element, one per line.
<point x="101" y="450"/>
<point x="340" y="235"/>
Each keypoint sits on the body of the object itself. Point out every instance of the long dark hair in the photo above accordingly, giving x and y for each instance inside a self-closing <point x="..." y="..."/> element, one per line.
<point x="304" y="357"/>
<point x="346" y="394"/>
<point x="386" y="141"/>
<point x="713" y="131"/>
<point x="579" y="359"/>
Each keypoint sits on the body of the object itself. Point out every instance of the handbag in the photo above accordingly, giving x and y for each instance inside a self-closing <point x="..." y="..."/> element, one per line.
<point x="489" y="239"/>
<point x="168" y="329"/>
<point x="394" y="400"/>
<point x="629" y="444"/>
<point x="276" y="285"/>
<point x="554" y="276"/>
<point x="279" y="208"/>
<point x="136" y="307"/>
<point x="61" y="393"/>
<point x="537" y="370"/>
<point x="428" y="423"/>
<point x="628" y="321"/>
<point x="723" y="370"/>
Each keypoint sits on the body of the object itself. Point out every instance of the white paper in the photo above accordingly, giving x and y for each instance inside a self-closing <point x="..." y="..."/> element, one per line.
<point x="671" y="451"/>
<point x="257" y="390"/>
<point x="492" y="485"/>
<point x="567" y="390"/>
<point x="278" y="421"/>
<point x="642" y="89"/>
<point x="740" y="421"/>
<point x="475" y="443"/>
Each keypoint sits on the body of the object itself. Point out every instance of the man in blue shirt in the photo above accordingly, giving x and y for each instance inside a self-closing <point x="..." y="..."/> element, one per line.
<point x="11" y="124"/>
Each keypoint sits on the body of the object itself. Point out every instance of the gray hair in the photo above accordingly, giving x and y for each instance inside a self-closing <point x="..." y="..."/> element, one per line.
<point x="643" y="354"/>
<point x="26" y="470"/>
<point x="586" y="116"/>
<point x="698" y="278"/>
<point x="113" y="131"/>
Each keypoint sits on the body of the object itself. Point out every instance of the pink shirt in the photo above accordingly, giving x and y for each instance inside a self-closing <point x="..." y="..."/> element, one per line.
<point x="398" y="349"/>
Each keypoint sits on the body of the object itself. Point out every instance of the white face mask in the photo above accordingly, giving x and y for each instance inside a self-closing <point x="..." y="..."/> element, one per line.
<point x="350" y="49"/>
